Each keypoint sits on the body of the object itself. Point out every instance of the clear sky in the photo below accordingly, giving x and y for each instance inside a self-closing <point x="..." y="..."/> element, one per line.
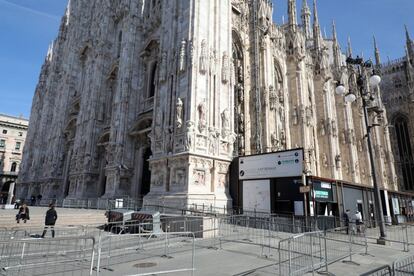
<point x="27" y="27"/>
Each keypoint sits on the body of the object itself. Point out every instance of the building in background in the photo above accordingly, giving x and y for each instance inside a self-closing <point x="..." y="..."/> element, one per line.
<point x="398" y="96"/>
<point x="13" y="132"/>
<point x="155" y="99"/>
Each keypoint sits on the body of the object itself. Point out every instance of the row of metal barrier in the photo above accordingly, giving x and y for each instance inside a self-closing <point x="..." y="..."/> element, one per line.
<point x="401" y="267"/>
<point x="399" y="234"/>
<point x="296" y="248"/>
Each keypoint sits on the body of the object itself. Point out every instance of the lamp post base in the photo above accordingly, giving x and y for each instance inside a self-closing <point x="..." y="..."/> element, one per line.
<point x="382" y="241"/>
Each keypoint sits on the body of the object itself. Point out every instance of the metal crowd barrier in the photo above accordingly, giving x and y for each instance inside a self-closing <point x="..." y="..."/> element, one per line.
<point x="380" y="271"/>
<point x="403" y="267"/>
<point x="312" y="251"/>
<point x="401" y="234"/>
<point x="57" y="256"/>
<point x="117" y="249"/>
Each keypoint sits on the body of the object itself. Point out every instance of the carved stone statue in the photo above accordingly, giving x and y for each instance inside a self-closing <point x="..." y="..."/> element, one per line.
<point x="325" y="160"/>
<point x="309" y="116"/>
<point x="179" y="113"/>
<point x="241" y="143"/>
<point x="338" y="161"/>
<point x="225" y="68"/>
<point x="283" y="139"/>
<point x="274" y="141"/>
<point x="334" y="129"/>
<point x="183" y="50"/>
<point x="225" y="122"/>
<point x="295" y="115"/>
<point x="272" y="97"/>
<point x="158" y="125"/>
<point x="240" y="92"/>
<point x="188" y="142"/>
<point x="241" y="122"/>
<point x="203" y="57"/>
<point x="282" y="114"/>
<point x="322" y="127"/>
<point x="202" y="122"/>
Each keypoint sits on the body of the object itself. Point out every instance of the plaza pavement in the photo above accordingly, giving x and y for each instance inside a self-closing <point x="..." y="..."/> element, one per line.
<point x="232" y="259"/>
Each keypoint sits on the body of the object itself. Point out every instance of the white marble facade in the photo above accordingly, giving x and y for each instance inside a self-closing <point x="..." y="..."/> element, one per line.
<point x="188" y="85"/>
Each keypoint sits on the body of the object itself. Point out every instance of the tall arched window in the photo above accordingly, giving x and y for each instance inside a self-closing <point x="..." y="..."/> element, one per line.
<point x="405" y="151"/>
<point x="13" y="167"/>
<point x="152" y="80"/>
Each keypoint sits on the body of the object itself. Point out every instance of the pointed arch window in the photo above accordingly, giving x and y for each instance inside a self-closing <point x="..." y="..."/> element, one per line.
<point x="152" y="80"/>
<point x="405" y="151"/>
<point x="119" y="45"/>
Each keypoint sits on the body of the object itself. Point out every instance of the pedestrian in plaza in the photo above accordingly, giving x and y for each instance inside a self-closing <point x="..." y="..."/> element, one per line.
<point x="346" y="218"/>
<point x="33" y="200"/>
<point x="50" y="220"/>
<point x="23" y="213"/>
<point x="39" y="198"/>
<point x="358" y="221"/>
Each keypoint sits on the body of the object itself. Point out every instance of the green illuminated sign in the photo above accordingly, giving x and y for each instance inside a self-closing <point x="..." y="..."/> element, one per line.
<point x="322" y="194"/>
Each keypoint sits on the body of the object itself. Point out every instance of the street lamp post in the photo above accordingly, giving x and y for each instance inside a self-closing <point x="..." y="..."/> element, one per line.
<point x="367" y="98"/>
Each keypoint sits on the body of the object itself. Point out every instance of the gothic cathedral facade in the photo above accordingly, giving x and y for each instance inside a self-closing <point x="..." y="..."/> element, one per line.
<point x="155" y="98"/>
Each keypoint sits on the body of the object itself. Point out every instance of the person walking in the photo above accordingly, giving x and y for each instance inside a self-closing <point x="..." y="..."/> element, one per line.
<point x="23" y="213"/>
<point x="358" y="221"/>
<point x="50" y="220"/>
<point x="346" y="218"/>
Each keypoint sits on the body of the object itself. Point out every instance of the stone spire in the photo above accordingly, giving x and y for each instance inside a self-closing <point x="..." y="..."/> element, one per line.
<point x="67" y="12"/>
<point x="317" y="37"/>
<point x="306" y="14"/>
<point x="293" y="21"/>
<point x="349" y="49"/>
<point x="377" y="53"/>
<point x="336" y="48"/>
<point x="409" y="45"/>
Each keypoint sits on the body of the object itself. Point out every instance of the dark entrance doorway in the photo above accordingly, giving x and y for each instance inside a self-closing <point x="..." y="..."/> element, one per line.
<point x="146" y="173"/>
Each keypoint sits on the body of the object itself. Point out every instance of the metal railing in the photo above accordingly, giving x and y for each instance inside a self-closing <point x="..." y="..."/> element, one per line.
<point x="312" y="251"/>
<point x="400" y="234"/>
<point x="47" y="256"/>
<point x="380" y="271"/>
<point x="404" y="266"/>
<point x="117" y="249"/>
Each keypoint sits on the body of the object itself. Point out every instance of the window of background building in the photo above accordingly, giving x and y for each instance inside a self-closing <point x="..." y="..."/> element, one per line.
<point x="20" y="134"/>
<point x="2" y="143"/>
<point x="13" y="167"/>
<point x="18" y="144"/>
<point x="4" y="131"/>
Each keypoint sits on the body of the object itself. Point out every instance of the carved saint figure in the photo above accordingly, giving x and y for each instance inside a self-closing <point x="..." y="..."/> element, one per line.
<point x="158" y="125"/>
<point x="202" y="116"/>
<point x="338" y="161"/>
<point x="295" y="115"/>
<point x="334" y="129"/>
<point x="323" y="130"/>
<point x="241" y="122"/>
<point x="272" y="97"/>
<point x="179" y="113"/>
<point x="274" y="141"/>
<point x="325" y="160"/>
<point x="225" y="121"/>
<point x="188" y="142"/>
<point x="240" y="92"/>
<point x="182" y="63"/>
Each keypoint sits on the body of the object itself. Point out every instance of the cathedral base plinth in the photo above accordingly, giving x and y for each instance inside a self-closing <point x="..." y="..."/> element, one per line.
<point x="175" y="203"/>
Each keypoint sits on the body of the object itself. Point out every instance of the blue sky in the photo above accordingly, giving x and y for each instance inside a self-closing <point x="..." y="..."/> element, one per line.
<point x="28" y="26"/>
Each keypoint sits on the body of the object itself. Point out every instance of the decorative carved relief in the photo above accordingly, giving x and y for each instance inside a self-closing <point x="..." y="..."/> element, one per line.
<point x="199" y="177"/>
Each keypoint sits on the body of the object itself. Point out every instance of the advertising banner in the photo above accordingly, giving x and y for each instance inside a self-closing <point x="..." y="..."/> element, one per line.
<point x="272" y="165"/>
<point x="256" y="195"/>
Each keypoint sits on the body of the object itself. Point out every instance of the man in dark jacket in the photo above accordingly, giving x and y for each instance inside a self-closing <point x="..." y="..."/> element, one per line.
<point x="50" y="220"/>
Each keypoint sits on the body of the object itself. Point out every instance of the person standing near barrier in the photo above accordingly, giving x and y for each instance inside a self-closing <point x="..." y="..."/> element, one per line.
<point x="346" y="217"/>
<point x="50" y="220"/>
<point x="23" y="213"/>
<point x="358" y="220"/>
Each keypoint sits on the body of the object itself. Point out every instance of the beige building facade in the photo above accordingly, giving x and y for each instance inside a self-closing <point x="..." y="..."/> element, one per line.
<point x="13" y="131"/>
<point x="155" y="99"/>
